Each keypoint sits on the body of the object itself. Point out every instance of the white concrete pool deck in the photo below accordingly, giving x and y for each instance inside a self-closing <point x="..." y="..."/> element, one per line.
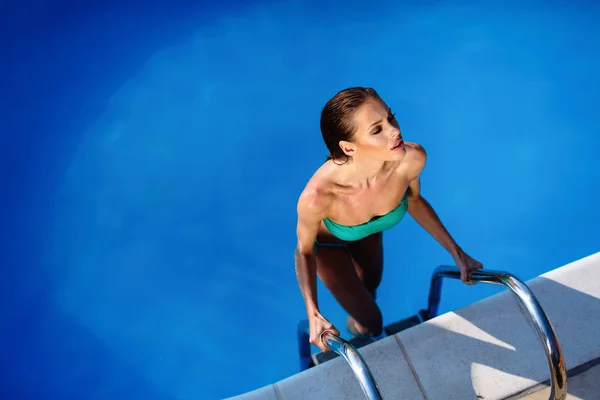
<point x="487" y="350"/>
<point x="583" y="385"/>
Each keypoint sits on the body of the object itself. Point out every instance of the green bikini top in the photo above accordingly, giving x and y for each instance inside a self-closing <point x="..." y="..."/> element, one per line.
<point x="376" y="224"/>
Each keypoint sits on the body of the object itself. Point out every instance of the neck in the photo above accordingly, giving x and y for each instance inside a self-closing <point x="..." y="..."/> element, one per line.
<point x="364" y="173"/>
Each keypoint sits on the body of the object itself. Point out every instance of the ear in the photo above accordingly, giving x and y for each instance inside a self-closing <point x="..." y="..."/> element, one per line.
<point x="348" y="148"/>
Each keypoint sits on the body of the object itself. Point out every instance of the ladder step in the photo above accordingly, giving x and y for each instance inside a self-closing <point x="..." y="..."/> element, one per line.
<point x="399" y="326"/>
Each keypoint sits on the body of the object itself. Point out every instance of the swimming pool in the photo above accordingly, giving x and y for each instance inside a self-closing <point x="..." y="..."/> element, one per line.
<point x="163" y="243"/>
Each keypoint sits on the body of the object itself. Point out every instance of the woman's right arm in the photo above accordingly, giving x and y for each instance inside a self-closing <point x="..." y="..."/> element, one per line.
<point x="310" y="214"/>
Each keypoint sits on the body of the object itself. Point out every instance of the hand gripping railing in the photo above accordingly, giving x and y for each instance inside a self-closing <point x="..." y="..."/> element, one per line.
<point x="347" y="351"/>
<point x="556" y="362"/>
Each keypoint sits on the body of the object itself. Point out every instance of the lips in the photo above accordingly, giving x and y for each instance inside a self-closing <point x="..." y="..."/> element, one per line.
<point x="398" y="145"/>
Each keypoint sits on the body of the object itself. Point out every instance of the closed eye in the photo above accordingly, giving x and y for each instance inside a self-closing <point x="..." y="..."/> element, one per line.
<point x="391" y="118"/>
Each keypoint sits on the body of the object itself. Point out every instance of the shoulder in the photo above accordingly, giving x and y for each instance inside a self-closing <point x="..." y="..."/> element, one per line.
<point x="415" y="150"/>
<point x="413" y="163"/>
<point x="316" y="196"/>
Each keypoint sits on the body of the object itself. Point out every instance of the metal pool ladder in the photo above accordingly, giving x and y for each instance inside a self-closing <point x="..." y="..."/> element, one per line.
<point x="546" y="333"/>
<point x="348" y="352"/>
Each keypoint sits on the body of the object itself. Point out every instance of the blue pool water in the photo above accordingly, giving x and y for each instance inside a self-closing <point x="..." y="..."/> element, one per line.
<point x="152" y="157"/>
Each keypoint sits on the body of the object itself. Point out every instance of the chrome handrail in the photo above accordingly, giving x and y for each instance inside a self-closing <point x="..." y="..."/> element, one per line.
<point x="348" y="352"/>
<point x="554" y="355"/>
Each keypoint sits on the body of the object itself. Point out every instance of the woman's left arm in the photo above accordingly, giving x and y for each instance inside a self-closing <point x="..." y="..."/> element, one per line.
<point x="425" y="215"/>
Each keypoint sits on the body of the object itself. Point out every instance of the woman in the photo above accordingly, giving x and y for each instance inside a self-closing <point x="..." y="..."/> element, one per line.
<point x="368" y="183"/>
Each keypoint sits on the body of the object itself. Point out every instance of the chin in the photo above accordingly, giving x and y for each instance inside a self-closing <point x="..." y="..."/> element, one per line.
<point x="399" y="154"/>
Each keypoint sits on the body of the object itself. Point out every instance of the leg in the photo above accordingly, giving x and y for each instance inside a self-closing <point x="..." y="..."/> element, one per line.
<point x="337" y="271"/>
<point x="367" y="255"/>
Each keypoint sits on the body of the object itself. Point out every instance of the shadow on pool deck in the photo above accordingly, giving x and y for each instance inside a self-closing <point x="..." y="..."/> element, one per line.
<point x="438" y="353"/>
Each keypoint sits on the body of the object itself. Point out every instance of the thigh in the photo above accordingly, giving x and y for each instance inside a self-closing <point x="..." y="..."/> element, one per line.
<point x="367" y="255"/>
<point x="336" y="270"/>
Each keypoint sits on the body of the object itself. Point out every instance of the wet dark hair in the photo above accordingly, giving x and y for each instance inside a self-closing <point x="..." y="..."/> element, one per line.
<point x="336" y="118"/>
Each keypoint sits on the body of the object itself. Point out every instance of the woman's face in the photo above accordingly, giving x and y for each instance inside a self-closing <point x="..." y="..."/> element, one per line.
<point x="377" y="135"/>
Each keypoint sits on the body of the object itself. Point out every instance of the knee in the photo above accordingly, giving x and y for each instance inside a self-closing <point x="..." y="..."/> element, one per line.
<point x="370" y="277"/>
<point x="372" y="288"/>
<point x="373" y="326"/>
